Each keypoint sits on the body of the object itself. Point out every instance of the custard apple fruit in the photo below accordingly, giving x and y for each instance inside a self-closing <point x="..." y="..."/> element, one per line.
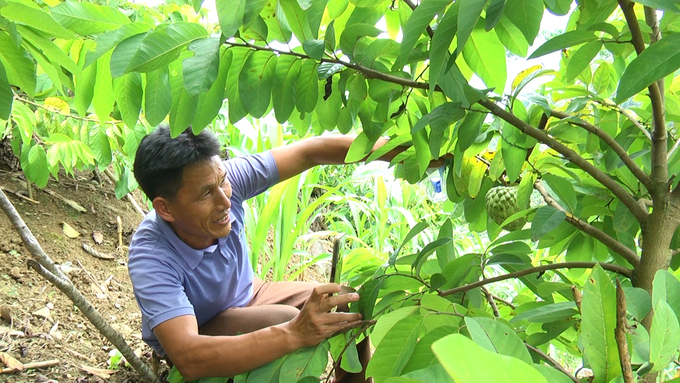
<point x="501" y="203"/>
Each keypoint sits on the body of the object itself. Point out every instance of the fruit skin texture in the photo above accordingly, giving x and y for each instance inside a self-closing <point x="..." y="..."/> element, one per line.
<point x="501" y="203"/>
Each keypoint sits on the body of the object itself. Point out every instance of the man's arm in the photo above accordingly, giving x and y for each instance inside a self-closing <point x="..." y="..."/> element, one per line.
<point x="197" y="356"/>
<point x="294" y="159"/>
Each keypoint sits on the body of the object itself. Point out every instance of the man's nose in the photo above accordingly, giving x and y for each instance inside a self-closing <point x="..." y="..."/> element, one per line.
<point x="223" y="199"/>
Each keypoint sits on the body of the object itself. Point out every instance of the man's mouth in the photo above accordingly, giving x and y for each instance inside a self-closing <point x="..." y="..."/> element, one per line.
<point x="224" y="219"/>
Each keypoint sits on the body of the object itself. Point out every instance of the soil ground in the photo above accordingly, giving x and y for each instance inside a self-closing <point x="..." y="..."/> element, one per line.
<point x="26" y="332"/>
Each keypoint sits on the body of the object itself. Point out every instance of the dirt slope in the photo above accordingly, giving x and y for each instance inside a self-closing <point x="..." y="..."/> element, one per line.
<point x="25" y="333"/>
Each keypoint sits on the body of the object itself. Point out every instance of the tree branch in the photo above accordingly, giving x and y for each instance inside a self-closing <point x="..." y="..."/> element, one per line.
<point x="620" y="334"/>
<point x="571" y="156"/>
<point x="609" y="140"/>
<point x="589" y="229"/>
<point x="532" y="270"/>
<point x="492" y="302"/>
<point x="659" y="136"/>
<point x="552" y="361"/>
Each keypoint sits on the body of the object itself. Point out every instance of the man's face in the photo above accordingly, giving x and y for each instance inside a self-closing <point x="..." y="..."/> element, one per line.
<point x="199" y="213"/>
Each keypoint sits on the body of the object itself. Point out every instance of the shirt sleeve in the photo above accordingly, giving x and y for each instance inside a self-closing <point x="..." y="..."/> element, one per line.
<point x="252" y="175"/>
<point x="158" y="288"/>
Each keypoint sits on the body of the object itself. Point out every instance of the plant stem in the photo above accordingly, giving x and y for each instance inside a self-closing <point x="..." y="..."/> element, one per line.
<point x="620" y="334"/>
<point x="532" y="270"/>
<point x="552" y="361"/>
<point x="589" y="229"/>
<point x="491" y="301"/>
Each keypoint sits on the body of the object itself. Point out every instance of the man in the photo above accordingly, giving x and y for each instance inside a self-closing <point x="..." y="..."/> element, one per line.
<point x="201" y="306"/>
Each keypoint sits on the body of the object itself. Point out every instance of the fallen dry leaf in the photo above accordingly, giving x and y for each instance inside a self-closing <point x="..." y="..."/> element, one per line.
<point x="10" y="332"/>
<point x="98" y="372"/>
<point x="55" y="333"/>
<point x="97" y="237"/>
<point x="5" y="313"/>
<point x="11" y="363"/>
<point x="44" y="313"/>
<point x="69" y="231"/>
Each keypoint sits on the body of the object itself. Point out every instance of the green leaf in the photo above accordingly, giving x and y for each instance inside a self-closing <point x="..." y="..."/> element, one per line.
<point x="285" y="81"/>
<point x="36" y="169"/>
<point x="415" y="230"/>
<point x="6" y="95"/>
<point x="654" y="63"/>
<point x="200" y="71"/>
<point x="210" y="104"/>
<point x="88" y="19"/>
<point x="526" y="15"/>
<point x="30" y="14"/>
<point x="581" y="59"/>
<point x="230" y="14"/>
<point x="468" y="15"/>
<point x="236" y="111"/>
<point x="664" y="336"/>
<point x="469" y="130"/>
<point x="511" y="37"/>
<point x="99" y="143"/>
<point x="564" y="190"/>
<point x="183" y="107"/>
<point x="297" y="20"/>
<point x="128" y="95"/>
<point x="107" y="41"/>
<point x="581" y="249"/>
<point x="485" y="55"/>
<point x="314" y="15"/>
<point x="305" y="362"/>
<point x="314" y="48"/>
<point x="666" y="287"/>
<point x="253" y="9"/>
<point x="638" y="302"/>
<point x="441" y="40"/>
<point x="598" y="313"/>
<point x="20" y="69"/>
<point x="496" y="336"/>
<point x="546" y="219"/>
<point x="307" y="88"/>
<point x="548" y="313"/>
<point x="466" y="362"/>
<point x="423" y="357"/>
<point x="51" y="50"/>
<point x="551" y="374"/>
<point x="352" y="34"/>
<point x="513" y="158"/>
<point x="563" y="41"/>
<point x="494" y="12"/>
<point x="123" y="54"/>
<point x="103" y="96"/>
<point x="163" y="45"/>
<point x="419" y="20"/>
<point x="360" y="148"/>
<point x="277" y="25"/>
<point x="255" y="82"/>
<point x="158" y="96"/>
<point x="395" y="349"/>
<point x="666" y="5"/>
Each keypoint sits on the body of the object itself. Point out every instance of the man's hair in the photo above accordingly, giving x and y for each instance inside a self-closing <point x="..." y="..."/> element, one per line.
<point x="161" y="159"/>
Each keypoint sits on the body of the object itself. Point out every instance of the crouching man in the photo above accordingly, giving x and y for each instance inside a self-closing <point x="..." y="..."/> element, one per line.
<point x="201" y="306"/>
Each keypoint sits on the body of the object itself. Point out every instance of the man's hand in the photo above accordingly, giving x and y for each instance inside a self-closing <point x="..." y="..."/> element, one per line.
<point x="316" y="323"/>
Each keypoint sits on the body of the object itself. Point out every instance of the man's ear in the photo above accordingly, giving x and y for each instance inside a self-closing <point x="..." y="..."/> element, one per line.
<point x="161" y="205"/>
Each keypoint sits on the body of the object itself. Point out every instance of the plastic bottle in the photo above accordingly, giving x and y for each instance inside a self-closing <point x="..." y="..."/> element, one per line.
<point x="435" y="185"/>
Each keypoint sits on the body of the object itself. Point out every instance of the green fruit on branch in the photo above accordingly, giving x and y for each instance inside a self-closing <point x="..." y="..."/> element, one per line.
<point x="501" y="203"/>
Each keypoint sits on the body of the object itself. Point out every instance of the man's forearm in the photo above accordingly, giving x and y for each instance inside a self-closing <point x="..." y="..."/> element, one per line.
<point x="213" y="356"/>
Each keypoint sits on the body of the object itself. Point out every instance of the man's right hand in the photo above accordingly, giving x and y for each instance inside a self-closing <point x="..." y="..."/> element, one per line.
<point x="315" y="321"/>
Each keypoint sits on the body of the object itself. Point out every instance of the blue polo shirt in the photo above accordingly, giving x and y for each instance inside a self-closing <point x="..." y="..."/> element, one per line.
<point x="171" y="279"/>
